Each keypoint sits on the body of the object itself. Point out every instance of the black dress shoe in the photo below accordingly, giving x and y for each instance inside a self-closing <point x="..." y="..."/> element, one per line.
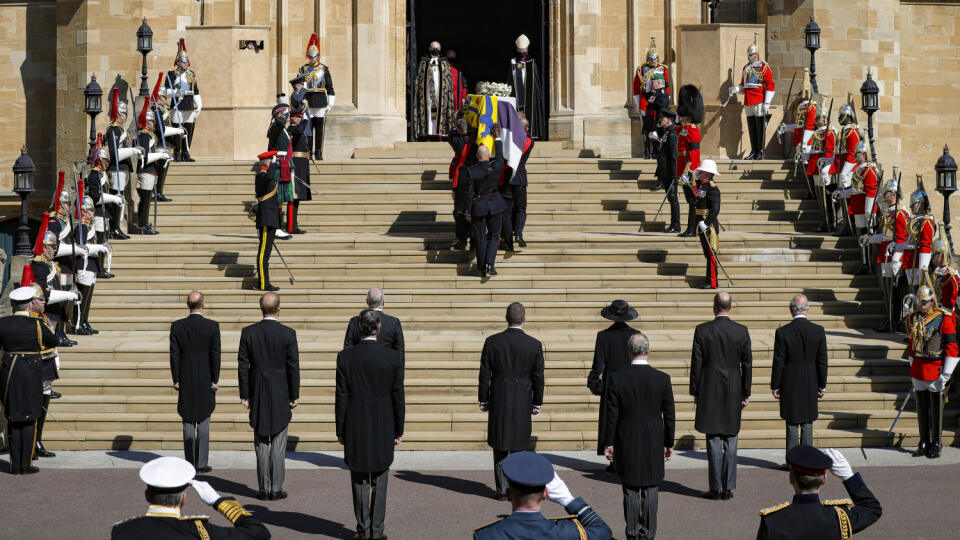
<point x="658" y="186"/>
<point x="687" y="234"/>
<point x="278" y="495"/>
<point x="318" y="155"/>
<point x="933" y="450"/>
<point x="459" y="246"/>
<point x="82" y="331"/>
<point x="271" y="288"/>
<point x="103" y="274"/>
<point x="55" y="395"/>
<point x="117" y="234"/>
<point x="186" y="157"/>
<point x="64" y="341"/>
<point x="491" y="270"/>
<point x="263" y="495"/>
<point x="726" y="495"/>
<point x="711" y="494"/>
<point x="921" y="449"/>
<point x="43" y="452"/>
<point x="705" y="286"/>
<point x="163" y="198"/>
<point x="521" y="242"/>
<point x="673" y="229"/>
<point x="206" y="469"/>
<point x="30" y="470"/>
<point x="508" y="246"/>
<point x="298" y="230"/>
<point x="90" y="329"/>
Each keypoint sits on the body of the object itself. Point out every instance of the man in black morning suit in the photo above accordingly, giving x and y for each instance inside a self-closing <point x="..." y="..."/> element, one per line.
<point x="488" y="204"/>
<point x="720" y="377"/>
<point x="639" y="435"/>
<point x="195" y="367"/>
<point x="23" y="338"/>
<point x="391" y="331"/>
<point x="369" y="412"/>
<point x="269" y="380"/>
<point x="610" y="355"/>
<point x="799" y="376"/>
<point x="510" y="390"/>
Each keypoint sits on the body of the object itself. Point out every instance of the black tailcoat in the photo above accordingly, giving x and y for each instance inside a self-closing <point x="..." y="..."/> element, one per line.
<point x="21" y="380"/>
<point x="799" y="369"/>
<point x="720" y="375"/>
<point x="511" y="383"/>
<point x="390" y="335"/>
<point x="195" y="365"/>
<point x="269" y="374"/>
<point x="640" y="423"/>
<point x="369" y="405"/>
<point x="609" y="355"/>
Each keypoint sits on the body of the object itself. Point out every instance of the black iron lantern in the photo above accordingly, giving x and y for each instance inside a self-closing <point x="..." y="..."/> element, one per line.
<point x="870" y="100"/>
<point x="144" y="45"/>
<point x="812" y="42"/>
<point x="92" y="95"/>
<point x="23" y="170"/>
<point x="946" y="168"/>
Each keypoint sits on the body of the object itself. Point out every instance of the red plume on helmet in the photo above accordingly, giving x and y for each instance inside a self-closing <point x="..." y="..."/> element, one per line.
<point x="313" y="47"/>
<point x="181" y="53"/>
<point x="142" y="117"/>
<point x="79" y="198"/>
<point x="114" y="105"/>
<point x="97" y="149"/>
<point x="27" y="279"/>
<point x="38" y="245"/>
<point x="56" y="194"/>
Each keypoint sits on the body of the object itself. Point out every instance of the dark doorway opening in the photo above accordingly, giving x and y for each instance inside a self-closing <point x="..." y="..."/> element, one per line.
<point x="482" y="35"/>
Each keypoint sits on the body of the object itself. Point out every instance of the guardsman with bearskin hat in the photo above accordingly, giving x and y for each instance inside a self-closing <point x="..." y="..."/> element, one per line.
<point x="690" y="112"/>
<point x="643" y="86"/>
<point x="921" y="233"/>
<point x="933" y="353"/>
<point x="121" y="157"/>
<point x="756" y="83"/>
<point x="861" y="194"/>
<point x="185" y="102"/>
<point x="822" y="165"/>
<point x="300" y="140"/>
<point x="152" y="163"/>
<point x="320" y="95"/>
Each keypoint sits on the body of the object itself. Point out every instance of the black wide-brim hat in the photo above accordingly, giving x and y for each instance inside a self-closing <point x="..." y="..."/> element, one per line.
<point x="619" y="310"/>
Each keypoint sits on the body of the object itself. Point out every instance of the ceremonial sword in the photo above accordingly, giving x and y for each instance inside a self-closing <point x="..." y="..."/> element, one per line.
<point x="716" y="258"/>
<point x="284" y="261"/>
<point x="733" y="70"/>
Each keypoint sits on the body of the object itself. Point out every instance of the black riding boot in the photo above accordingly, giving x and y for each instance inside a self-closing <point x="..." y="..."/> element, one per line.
<point x="936" y="416"/>
<point x="40" y="451"/>
<point x="317" y="124"/>
<point x="188" y="139"/>
<point x="752" y="130"/>
<point x="760" y="128"/>
<point x="923" y="421"/>
<point x="143" y="212"/>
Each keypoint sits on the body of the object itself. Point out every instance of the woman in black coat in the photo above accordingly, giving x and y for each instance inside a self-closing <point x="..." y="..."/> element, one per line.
<point x="610" y="355"/>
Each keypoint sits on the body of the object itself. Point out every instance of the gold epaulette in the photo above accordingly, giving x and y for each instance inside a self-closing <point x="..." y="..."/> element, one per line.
<point x="121" y="522"/>
<point x="488" y="524"/>
<point x="232" y="510"/>
<point x="772" y="509"/>
<point x="837" y="502"/>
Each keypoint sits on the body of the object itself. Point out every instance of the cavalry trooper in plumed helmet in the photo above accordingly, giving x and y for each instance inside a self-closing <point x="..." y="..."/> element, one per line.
<point x="847" y="149"/>
<point x="185" y="102"/>
<point x="121" y="156"/>
<point x="320" y="95"/>
<point x="756" y="83"/>
<point x="805" y="123"/>
<point x="23" y="338"/>
<point x="46" y="274"/>
<point x="892" y="238"/>
<point x="93" y="188"/>
<point x="861" y="192"/>
<point x="946" y="279"/>
<point x="932" y="349"/>
<point x="822" y="165"/>
<point x="89" y="264"/>
<point x="151" y="164"/>
<point x="922" y="231"/>
<point x="643" y="84"/>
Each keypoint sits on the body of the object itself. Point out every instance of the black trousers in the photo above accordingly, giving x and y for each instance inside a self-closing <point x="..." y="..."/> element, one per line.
<point x="265" y="235"/>
<point x="500" y="479"/>
<point x="519" y="218"/>
<point x="143" y="207"/>
<point x="369" y="502"/>
<point x="691" y="208"/>
<point x="316" y="124"/>
<point x="486" y="239"/>
<point x="507" y="226"/>
<point x="21" y="443"/>
<point x="640" y="511"/>
<point x="461" y="204"/>
<point x="672" y="198"/>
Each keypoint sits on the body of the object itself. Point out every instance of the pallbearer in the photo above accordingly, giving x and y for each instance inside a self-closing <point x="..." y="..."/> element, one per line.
<point x="756" y="83"/>
<point x="320" y="95"/>
<point x="185" y="104"/>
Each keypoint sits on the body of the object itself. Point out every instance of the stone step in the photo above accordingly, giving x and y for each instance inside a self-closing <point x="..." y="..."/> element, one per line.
<point x="434" y="178"/>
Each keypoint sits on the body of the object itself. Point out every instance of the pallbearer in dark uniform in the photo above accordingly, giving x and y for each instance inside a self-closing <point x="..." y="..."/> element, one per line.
<point x="518" y="188"/>
<point x="488" y="205"/>
<point x="528" y="88"/>
<point x="320" y="95"/>
<point x="268" y="216"/>
<point x="195" y="368"/>
<point x="708" y="209"/>
<point x="809" y="518"/>
<point x="299" y="131"/>
<point x="510" y="389"/>
<point x="23" y="338"/>
<point x="799" y="376"/>
<point x="269" y="381"/>
<point x="186" y="103"/>
<point x="609" y="356"/>
<point x="532" y="481"/>
<point x="369" y="409"/>
<point x="464" y="144"/>
<point x="641" y="422"/>
<point x="167" y="479"/>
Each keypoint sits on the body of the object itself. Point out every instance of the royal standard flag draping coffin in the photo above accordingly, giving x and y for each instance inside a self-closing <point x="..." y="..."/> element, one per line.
<point x="485" y="111"/>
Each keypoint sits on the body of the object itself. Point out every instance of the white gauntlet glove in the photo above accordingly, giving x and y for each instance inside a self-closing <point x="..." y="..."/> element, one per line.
<point x="841" y="467"/>
<point x="558" y="492"/>
<point x="653" y="135"/>
<point x="703" y="225"/>
<point x="205" y="491"/>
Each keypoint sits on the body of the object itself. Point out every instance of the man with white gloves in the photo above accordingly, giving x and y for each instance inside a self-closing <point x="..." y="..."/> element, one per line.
<point x="809" y="517"/>
<point x="167" y="479"/>
<point x="533" y="480"/>
<point x="757" y="86"/>
<point x="932" y="349"/>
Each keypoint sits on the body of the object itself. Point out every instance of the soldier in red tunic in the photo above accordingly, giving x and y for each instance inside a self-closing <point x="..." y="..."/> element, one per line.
<point x="806" y="123"/>
<point x="922" y="229"/>
<point x="846" y="159"/>
<point x="946" y="278"/>
<point x="892" y="238"/>
<point x="690" y="111"/>
<point x="932" y="348"/>
<point x="822" y="165"/>
<point x="861" y="193"/>
<point x="643" y="86"/>
<point x="756" y="83"/>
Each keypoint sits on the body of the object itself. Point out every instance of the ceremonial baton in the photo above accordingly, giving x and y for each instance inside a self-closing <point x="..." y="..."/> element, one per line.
<point x="284" y="261"/>
<point x="732" y="71"/>
<point x="717" y="259"/>
<point x="672" y="183"/>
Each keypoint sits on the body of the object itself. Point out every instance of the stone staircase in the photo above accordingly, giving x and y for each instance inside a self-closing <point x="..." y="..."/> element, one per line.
<point x="385" y="221"/>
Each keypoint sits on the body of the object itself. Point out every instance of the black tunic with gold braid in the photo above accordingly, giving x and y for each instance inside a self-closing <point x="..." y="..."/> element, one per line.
<point x="166" y="523"/>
